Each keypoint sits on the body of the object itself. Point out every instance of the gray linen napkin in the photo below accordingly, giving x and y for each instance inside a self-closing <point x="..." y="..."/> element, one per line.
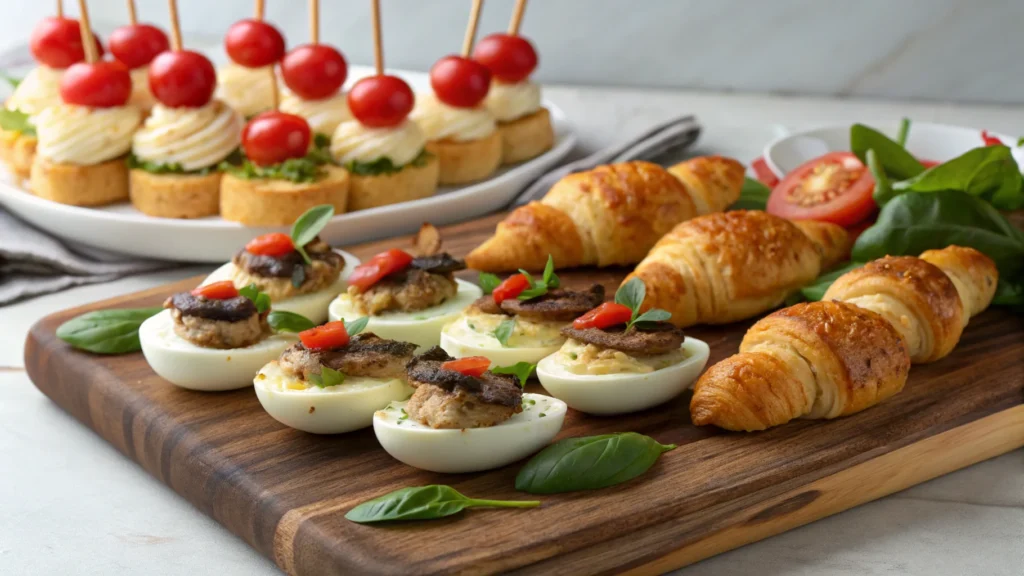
<point x="668" y="138"/>
<point x="33" y="263"/>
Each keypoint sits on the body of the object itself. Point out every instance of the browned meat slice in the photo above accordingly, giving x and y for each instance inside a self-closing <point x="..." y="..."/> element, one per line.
<point x="365" y="355"/>
<point x="450" y="399"/>
<point x="289" y="275"/>
<point x="443" y="263"/>
<point x="224" y="324"/>
<point x="662" y="338"/>
<point x="410" y="291"/>
<point x="557" y="305"/>
<point x="485" y="305"/>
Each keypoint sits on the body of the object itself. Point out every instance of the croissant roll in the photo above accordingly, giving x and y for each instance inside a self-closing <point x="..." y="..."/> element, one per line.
<point x="608" y="216"/>
<point x="815" y="360"/>
<point x="927" y="305"/>
<point x="832" y="242"/>
<point x="729" y="266"/>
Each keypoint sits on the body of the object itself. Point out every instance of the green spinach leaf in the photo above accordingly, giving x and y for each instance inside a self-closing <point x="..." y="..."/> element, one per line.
<point x="753" y="196"/>
<point x="106" y="331"/>
<point x="901" y="136"/>
<point x="892" y="156"/>
<point x="883" y="188"/>
<point x="589" y="463"/>
<point x="425" y="503"/>
<point x="816" y="291"/>
<point x="989" y="172"/>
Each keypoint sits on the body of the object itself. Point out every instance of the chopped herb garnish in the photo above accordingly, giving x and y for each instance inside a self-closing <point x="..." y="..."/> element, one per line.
<point x="504" y="331"/>
<point x="488" y="282"/>
<point x="356" y="326"/>
<point x="260" y="299"/>
<point x="632" y="295"/>
<point x="383" y="166"/>
<point x="16" y="121"/>
<point x="549" y="281"/>
<point x="327" y="377"/>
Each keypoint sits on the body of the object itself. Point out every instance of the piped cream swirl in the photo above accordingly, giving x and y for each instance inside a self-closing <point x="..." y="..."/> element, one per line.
<point x="38" y="90"/>
<point x="195" y="138"/>
<point x="247" y="90"/>
<point x="440" y="121"/>
<point x="85" y="136"/>
<point x="323" y="115"/>
<point x="508" y="102"/>
<point x="353" y="142"/>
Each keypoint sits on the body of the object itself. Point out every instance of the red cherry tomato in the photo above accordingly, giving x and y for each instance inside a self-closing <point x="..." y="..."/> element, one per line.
<point x="833" y="188"/>
<point x="604" y="316"/>
<point x="136" y="46"/>
<point x="57" y="42"/>
<point x="459" y="81"/>
<point x="764" y="173"/>
<point x="473" y="366"/>
<point x="182" y="78"/>
<point x="989" y="139"/>
<point x="273" y="137"/>
<point x="222" y="290"/>
<point x="381" y="101"/>
<point x="274" y="244"/>
<point x="928" y="163"/>
<point x="512" y="286"/>
<point x="102" y="84"/>
<point x="330" y="335"/>
<point x="314" y="71"/>
<point x="384" y="264"/>
<point x="509" y="58"/>
<point x="254" y="43"/>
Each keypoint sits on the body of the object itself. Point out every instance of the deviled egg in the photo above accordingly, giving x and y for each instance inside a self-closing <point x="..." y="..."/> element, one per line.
<point x="520" y="321"/>
<point x="617" y="360"/>
<point x="464" y="418"/>
<point x="210" y="339"/>
<point x="294" y="284"/>
<point x="404" y="297"/>
<point x="331" y="382"/>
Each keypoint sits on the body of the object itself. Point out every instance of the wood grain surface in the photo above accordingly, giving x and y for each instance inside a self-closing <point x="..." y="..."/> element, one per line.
<point x="286" y="492"/>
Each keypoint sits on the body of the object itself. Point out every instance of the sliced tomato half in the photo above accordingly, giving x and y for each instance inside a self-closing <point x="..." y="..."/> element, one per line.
<point x="835" y="188"/>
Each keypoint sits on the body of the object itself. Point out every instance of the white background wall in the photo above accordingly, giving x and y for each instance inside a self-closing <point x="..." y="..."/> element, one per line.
<point x="949" y="50"/>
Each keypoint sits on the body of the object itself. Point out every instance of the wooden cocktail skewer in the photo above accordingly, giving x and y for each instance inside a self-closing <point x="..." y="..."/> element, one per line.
<point x="60" y="8"/>
<point x="175" y="27"/>
<point x="378" y="49"/>
<point x="517" y="18"/>
<point x="86" y="30"/>
<point x="133" y="19"/>
<point x="314" y="22"/>
<point x="275" y="98"/>
<point x="474" y="18"/>
<point x="260" y="8"/>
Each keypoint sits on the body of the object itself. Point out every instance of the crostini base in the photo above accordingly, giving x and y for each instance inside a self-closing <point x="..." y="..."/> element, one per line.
<point x="465" y="162"/>
<point x="95" y="185"/>
<point x="409" y="183"/>
<point x="527" y="137"/>
<point x="175" y="195"/>
<point x="271" y="202"/>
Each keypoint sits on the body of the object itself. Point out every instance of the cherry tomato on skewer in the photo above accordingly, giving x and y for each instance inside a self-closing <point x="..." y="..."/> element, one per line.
<point x="136" y="45"/>
<point x="273" y="244"/>
<point x="474" y="366"/>
<point x="330" y="335"/>
<point x="314" y="71"/>
<point x="459" y="81"/>
<point x="57" y="42"/>
<point x="254" y="43"/>
<point x="102" y="84"/>
<point x="223" y="290"/>
<point x="273" y="137"/>
<point x="381" y="101"/>
<point x="182" y="78"/>
<point x="604" y="316"/>
<point x="509" y="58"/>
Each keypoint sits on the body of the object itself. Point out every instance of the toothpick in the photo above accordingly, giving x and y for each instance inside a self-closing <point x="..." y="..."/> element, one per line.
<point x="86" y="30"/>
<point x="517" y="18"/>
<point x="132" y="18"/>
<point x="175" y="27"/>
<point x="60" y="8"/>
<point x="378" y="48"/>
<point x="314" y="22"/>
<point x="275" y="98"/>
<point x="260" y="7"/>
<point x="474" y="18"/>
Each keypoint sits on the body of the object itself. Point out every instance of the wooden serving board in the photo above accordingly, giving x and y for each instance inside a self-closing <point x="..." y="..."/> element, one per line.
<point x="285" y="492"/>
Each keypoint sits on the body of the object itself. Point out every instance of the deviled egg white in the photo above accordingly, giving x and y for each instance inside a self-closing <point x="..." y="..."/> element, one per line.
<point x="599" y="380"/>
<point x="469" y="449"/>
<point x="421" y="327"/>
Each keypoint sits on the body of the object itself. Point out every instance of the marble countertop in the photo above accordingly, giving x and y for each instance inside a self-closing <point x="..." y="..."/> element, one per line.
<point x="70" y="503"/>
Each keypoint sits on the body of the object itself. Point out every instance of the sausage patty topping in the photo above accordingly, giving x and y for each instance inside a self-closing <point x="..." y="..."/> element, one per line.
<point x="557" y="305"/>
<point x="365" y="355"/>
<point x="659" y="338"/>
<point x="224" y="324"/>
<point x="286" y="276"/>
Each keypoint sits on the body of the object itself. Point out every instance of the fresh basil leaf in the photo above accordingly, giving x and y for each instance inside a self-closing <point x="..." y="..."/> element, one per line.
<point x="327" y="377"/>
<point x="285" y="321"/>
<point x="989" y="172"/>
<point x="383" y="166"/>
<point x="521" y="370"/>
<point x="901" y="136"/>
<point x="753" y="196"/>
<point x="653" y="315"/>
<point x="308" y="225"/>
<point x="883" y="188"/>
<point x="536" y="291"/>
<point x="894" y="158"/>
<point x="589" y="463"/>
<point x="816" y="290"/>
<point x="260" y="299"/>
<point x="106" y="331"/>
<point x="504" y="331"/>
<point x="16" y="121"/>
<point x="356" y="326"/>
<point x="298" y="276"/>
<point x="631" y="294"/>
<point x="14" y="82"/>
<point x="912" y="223"/>
<point x="549" y="278"/>
<point x="488" y="282"/>
<point x="424" y="503"/>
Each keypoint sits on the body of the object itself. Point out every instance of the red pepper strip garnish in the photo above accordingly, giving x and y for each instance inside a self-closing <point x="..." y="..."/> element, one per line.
<point x="473" y="366"/>
<point x="223" y="290"/>
<point x="275" y="244"/>
<point x="373" y="270"/>
<point x="329" y="336"/>
<point x="512" y="286"/>
<point x="990" y="140"/>
<point x="604" y="316"/>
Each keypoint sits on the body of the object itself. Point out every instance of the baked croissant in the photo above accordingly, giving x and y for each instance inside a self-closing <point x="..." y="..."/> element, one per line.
<point x="813" y="360"/>
<point x="927" y="299"/>
<point x="610" y="215"/>
<point x="729" y="266"/>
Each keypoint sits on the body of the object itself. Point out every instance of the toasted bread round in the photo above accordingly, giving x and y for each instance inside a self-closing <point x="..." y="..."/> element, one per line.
<point x="175" y="195"/>
<point x="17" y="150"/>
<point x="409" y="183"/>
<point x="95" y="185"/>
<point x="526" y="137"/>
<point x="271" y="202"/>
<point x="464" y="162"/>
